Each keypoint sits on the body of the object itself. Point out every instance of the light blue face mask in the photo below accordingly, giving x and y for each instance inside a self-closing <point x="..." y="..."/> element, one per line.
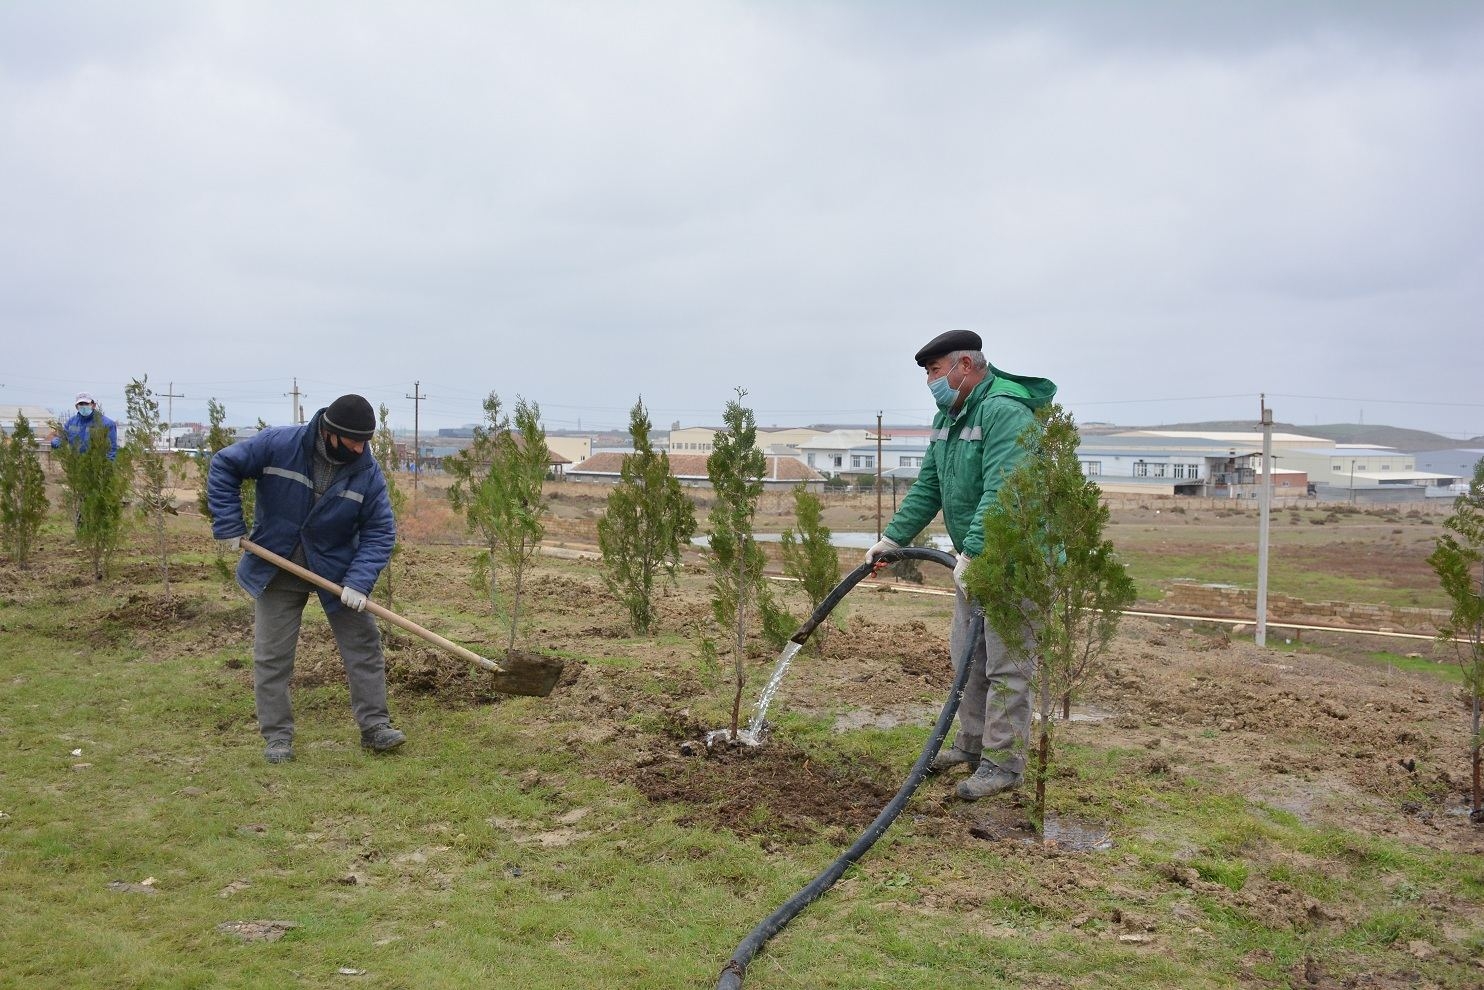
<point x="944" y="394"/>
<point x="86" y="412"/>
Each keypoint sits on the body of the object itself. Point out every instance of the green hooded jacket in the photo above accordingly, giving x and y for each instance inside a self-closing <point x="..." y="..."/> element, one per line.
<point x="968" y="457"/>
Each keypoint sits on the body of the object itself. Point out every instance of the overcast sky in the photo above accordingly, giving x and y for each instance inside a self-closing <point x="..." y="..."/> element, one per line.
<point x="1166" y="207"/>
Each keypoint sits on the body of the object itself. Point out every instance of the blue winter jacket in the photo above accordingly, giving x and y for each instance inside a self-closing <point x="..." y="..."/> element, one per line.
<point x="79" y="433"/>
<point x="347" y="535"/>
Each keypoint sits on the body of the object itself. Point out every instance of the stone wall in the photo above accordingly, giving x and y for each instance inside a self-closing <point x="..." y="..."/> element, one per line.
<point x="1226" y="602"/>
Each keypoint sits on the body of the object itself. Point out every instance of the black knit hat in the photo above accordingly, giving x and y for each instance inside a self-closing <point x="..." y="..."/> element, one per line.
<point x="351" y="416"/>
<point x="947" y="343"/>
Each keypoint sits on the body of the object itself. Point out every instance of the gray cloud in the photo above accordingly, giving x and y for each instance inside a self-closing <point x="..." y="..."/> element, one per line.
<point x="581" y="202"/>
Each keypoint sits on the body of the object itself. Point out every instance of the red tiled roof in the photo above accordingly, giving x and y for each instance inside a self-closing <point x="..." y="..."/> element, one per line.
<point x="694" y="466"/>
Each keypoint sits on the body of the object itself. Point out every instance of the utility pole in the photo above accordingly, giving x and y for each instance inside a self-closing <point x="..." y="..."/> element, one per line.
<point x="170" y="396"/>
<point x="417" y="447"/>
<point x="878" y="475"/>
<point x="297" y="415"/>
<point x="1265" y="502"/>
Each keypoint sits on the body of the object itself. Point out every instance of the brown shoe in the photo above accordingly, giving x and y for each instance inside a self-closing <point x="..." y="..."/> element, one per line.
<point x="952" y="757"/>
<point x="987" y="781"/>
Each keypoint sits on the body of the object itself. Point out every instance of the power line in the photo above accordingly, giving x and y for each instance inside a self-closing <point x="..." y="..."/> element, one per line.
<point x="1396" y="402"/>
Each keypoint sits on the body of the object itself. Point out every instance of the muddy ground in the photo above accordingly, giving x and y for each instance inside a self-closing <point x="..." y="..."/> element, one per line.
<point x="1319" y="730"/>
<point x="1322" y="731"/>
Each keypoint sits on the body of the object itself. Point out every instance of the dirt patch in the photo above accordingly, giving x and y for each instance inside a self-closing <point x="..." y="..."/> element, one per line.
<point x="141" y="610"/>
<point x="773" y="791"/>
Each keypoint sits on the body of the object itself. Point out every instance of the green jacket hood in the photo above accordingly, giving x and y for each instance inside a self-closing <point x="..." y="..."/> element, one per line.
<point x="1033" y="393"/>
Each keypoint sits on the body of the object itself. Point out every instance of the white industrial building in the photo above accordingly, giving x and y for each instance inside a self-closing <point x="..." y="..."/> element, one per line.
<point x="38" y="418"/>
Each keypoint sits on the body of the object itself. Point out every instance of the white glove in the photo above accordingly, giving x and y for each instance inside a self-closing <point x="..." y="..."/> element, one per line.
<point x="230" y="545"/>
<point x="958" y="574"/>
<point x="352" y="599"/>
<point x="880" y="547"/>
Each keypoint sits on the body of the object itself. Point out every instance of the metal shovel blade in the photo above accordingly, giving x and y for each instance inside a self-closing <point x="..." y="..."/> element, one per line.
<point x="529" y="674"/>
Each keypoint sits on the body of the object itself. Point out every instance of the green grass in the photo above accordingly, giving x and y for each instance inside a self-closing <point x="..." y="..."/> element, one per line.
<point x="1448" y="671"/>
<point x="1445" y="670"/>
<point x="1155" y="568"/>
<point x="421" y="868"/>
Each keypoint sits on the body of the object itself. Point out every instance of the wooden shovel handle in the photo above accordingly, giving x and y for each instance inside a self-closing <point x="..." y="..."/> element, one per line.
<point x="375" y="609"/>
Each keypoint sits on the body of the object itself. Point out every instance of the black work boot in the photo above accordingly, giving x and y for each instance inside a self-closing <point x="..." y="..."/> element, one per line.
<point x="279" y="751"/>
<point x="382" y="738"/>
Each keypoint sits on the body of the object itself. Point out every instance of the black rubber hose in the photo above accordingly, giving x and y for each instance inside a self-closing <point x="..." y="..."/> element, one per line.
<point x="736" y="967"/>
<point x="858" y="575"/>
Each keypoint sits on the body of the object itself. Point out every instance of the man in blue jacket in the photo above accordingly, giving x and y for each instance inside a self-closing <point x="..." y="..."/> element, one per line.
<point x="982" y="412"/>
<point x="87" y="419"/>
<point x="321" y="502"/>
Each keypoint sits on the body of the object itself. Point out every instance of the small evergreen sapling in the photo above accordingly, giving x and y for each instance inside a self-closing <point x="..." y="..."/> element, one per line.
<point x="809" y="557"/>
<point x="736" y="468"/>
<point x="647" y="522"/>
<point x="1049" y="582"/>
<point x="95" y="486"/>
<point x="384" y="449"/>
<point x="153" y="497"/>
<point x="1458" y="560"/>
<point x="498" y="483"/>
<point x="23" y="501"/>
<point x="219" y="436"/>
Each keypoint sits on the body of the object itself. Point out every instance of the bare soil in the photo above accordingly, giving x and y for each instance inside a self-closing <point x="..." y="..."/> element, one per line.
<point x="1321" y="731"/>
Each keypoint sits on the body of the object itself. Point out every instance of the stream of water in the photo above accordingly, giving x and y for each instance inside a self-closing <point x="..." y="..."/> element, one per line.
<point x="766" y="698"/>
<point x="753" y="734"/>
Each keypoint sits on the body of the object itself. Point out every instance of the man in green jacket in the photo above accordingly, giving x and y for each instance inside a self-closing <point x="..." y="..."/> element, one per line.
<point x="982" y="412"/>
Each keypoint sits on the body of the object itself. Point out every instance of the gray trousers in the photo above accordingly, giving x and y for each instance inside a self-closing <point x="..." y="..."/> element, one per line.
<point x="278" y="612"/>
<point x="994" y="717"/>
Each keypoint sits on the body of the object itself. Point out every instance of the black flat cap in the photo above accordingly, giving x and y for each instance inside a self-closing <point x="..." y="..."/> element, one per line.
<point x="947" y="343"/>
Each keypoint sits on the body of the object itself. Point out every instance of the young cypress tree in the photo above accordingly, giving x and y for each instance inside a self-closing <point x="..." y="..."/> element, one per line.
<point x="23" y="501"/>
<point x="647" y="522"/>
<point x="218" y="437"/>
<point x="522" y="464"/>
<point x="384" y="449"/>
<point x="736" y="469"/>
<point x="96" y="485"/>
<point x="153" y="499"/>
<point x="498" y="483"/>
<point x="810" y="558"/>
<point x="1458" y="560"/>
<point x="1050" y="584"/>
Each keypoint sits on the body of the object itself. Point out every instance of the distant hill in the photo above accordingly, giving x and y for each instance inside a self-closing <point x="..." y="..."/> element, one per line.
<point x="1409" y="441"/>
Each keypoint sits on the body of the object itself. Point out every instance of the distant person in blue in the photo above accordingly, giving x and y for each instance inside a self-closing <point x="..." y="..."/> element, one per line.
<point x="79" y="427"/>
<point x="322" y="502"/>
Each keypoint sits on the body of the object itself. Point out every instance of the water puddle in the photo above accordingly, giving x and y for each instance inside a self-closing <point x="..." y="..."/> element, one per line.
<point x="863" y="719"/>
<point x="1084" y="714"/>
<point x="1075" y="836"/>
<point x="723" y="737"/>
<point x="1066" y="834"/>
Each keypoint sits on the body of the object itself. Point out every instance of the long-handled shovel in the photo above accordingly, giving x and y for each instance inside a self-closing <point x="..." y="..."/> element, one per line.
<point x="523" y="674"/>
